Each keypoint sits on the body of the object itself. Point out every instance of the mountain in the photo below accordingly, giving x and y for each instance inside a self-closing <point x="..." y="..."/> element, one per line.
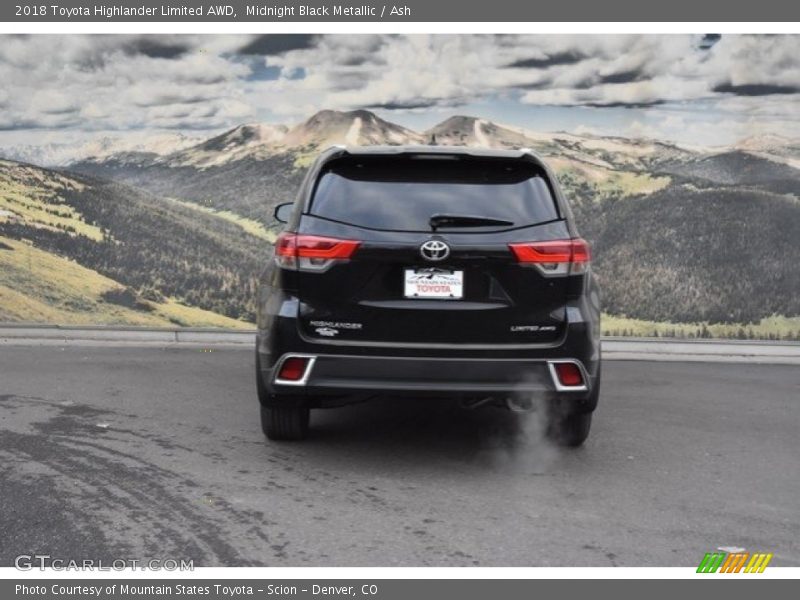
<point x="355" y="128"/>
<point x="471" y="131"/>
<point x="682" y="254"/>
<point x="164" y="261"/>
<point x="251" y="168"/>
<point x="244" y="136"/>
<point x="772" y="146"/>
<point x="260" y="141"/>
<point x="668" y="223"/>
<point x="249" y="187"/>
<point x="739" y="168"/>
<point x="256" y="140"/>
<point x="61" y="154"/>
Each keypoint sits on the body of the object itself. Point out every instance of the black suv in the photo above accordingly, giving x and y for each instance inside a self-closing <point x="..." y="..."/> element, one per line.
<point x="428" y="270"/>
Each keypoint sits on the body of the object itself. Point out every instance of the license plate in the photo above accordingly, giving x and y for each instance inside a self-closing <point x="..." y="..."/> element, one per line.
<point x="434" y="283"/>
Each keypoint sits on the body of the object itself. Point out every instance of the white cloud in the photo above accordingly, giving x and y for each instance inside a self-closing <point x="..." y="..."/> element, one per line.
<point x="101" y="83"/>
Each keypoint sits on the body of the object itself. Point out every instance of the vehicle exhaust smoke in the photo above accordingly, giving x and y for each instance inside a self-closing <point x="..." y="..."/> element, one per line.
<point x="515" y="439"/>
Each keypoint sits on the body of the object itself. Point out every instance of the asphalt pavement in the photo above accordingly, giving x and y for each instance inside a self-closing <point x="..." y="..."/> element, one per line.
<point x="156" y="452"/>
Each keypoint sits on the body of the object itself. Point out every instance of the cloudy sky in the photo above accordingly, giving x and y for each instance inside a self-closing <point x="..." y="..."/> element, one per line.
<point x="705" y="90"/>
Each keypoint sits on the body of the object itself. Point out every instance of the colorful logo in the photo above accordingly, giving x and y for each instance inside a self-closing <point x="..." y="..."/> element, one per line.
<point x="734" y="562"/>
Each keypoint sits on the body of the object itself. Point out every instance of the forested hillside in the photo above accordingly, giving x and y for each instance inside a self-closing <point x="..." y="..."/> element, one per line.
<point x="680" y="235"/>
<point x="249" y="187"/>
<point x="155" y="248"/>
<point x="720" y="255"/>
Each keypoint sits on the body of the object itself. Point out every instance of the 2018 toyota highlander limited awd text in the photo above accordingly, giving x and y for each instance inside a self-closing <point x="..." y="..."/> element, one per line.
<point x="428" y="271"/>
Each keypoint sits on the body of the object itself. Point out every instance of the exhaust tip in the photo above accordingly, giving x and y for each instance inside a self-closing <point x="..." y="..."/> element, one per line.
<point x="519" y="404"/>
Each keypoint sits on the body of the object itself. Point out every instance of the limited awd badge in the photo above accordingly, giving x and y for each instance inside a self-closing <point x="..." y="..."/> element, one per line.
<point x="434" y="250"/>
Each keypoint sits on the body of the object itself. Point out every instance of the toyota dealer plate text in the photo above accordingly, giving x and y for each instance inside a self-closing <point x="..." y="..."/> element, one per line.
<point x="434" y="283"/>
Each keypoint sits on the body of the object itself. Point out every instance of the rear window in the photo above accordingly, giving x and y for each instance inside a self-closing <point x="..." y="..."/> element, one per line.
<point x="403" y="194"/>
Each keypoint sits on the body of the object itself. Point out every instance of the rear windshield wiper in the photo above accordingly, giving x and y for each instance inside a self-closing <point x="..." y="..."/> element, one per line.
<point x="437" y="221"/>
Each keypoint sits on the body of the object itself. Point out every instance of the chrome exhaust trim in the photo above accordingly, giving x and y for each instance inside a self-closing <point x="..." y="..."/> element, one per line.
<point x="473" y="404"/>
<point x="519" y="405"/>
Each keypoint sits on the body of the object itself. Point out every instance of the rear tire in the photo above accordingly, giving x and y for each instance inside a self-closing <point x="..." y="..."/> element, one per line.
<point x="261" y="389"/>
<point x="569" y="430"/>
<point x="281" y="423"/>
<point x="569" y="426"/>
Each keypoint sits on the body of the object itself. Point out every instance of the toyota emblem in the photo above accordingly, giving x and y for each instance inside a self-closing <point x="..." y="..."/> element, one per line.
<point x="434" y="250"/>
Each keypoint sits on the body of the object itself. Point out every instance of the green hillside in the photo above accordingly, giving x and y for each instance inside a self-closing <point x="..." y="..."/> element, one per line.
<point x="159" y="251"/>
<point x="39" y="287"/>
<point x="249" y="188"/>
<point x="720" y="255"/>
<point x="768" y="328"/>
<point x="685" y="241"/>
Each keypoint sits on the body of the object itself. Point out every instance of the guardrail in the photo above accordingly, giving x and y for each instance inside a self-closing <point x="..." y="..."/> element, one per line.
<point x="614" y="348"/>
<point x="122" y="334"/>
<point x="661" y="349"/>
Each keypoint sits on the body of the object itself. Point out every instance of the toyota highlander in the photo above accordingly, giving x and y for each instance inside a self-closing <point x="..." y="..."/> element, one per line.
<point x="443" y="272"/>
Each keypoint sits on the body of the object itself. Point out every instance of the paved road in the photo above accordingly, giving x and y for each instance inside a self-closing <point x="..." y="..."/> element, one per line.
<point x="126" y="452"/>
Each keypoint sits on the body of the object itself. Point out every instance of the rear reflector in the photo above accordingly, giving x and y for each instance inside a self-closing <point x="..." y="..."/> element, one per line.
<point x="569" y="375"/>
<point x="293" y="368"/>
<point x="556" y="257"/>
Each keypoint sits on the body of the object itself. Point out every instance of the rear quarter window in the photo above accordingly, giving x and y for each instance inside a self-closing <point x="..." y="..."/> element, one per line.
<point x="403" y="194"/>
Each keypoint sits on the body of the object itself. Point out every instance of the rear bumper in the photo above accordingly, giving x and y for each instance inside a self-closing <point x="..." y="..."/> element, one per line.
<point x="337" y="374"/>
<point x="360" y="371"/>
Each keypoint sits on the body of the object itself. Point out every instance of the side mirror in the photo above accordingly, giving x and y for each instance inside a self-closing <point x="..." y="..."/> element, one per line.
<point x="283" y="212"/>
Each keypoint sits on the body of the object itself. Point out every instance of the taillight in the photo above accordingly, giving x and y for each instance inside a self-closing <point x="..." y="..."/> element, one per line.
<point x="311" y="252"/>
<point x="555" y="257"/>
